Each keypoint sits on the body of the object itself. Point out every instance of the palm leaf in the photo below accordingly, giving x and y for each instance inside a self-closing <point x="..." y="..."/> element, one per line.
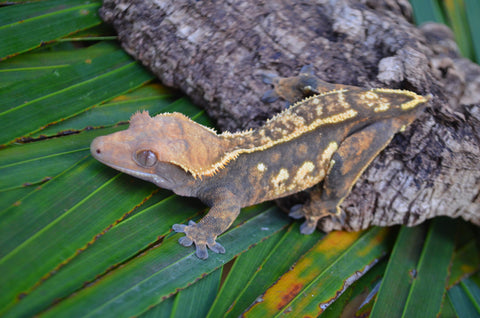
<point x="80" y="239"/>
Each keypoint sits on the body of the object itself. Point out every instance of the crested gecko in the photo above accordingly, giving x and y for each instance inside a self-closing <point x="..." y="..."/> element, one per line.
<point x="327" y="138"/>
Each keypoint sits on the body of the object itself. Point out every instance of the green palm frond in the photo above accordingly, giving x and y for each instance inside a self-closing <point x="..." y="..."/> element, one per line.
<point x="462" y="16"/>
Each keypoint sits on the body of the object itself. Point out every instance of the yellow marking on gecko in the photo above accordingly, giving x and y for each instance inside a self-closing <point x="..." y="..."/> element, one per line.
<point x="278" y="181"/>
<point x="370" y="98"/>
<point x="329" y="151"/>
<point x="319" y="110"/>
<point x="305" y="168"/>
<point x="342" y="100"/>
<point x="302" y="178"/>
<point x="261" y="167"/>
<point x="383" y="106"/>
<point x="282" y="176"/>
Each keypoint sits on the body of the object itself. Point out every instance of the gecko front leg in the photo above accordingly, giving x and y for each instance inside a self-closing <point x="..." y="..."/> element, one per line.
<point x="295" y="88"/>
<point x="203" y="234"/>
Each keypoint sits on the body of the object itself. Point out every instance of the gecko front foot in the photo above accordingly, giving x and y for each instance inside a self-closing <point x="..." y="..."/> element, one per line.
<point x="196" y="233"/>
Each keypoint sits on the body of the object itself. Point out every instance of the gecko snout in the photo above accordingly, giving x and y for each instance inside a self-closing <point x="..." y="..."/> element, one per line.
<point x="96" y="147"/>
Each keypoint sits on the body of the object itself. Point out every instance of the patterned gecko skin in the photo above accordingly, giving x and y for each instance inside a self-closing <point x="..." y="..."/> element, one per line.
<point x="331" y="136"/>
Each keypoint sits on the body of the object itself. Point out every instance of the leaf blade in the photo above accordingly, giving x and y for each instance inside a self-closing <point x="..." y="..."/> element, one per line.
<point x="272" y="267"/>
<point x="24" y="29"/>
<point x="67" y="223"/>
<point x="32" y="117"/>
<point x="400" y="272"/>
<point x="134" y="288"/>
<point x="428" y="288"/>
<point x="289" y="294"/>
<point x="107" y="251"/>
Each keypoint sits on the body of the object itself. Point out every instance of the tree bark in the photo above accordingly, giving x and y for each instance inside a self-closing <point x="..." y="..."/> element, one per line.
<point x="217" y="52"/>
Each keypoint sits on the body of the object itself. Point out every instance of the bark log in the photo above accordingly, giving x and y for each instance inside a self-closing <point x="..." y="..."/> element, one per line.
<point x="218" y="51"/>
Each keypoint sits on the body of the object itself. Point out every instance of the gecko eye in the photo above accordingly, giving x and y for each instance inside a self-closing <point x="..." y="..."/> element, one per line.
<point x="145" y="158"/>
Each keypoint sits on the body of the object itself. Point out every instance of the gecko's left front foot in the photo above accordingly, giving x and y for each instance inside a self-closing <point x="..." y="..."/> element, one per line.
<point x="196" y="233"/>
<point x="291" y="89"/>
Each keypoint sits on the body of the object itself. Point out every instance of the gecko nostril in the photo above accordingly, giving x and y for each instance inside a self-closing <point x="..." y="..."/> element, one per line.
<point x="98" y="151"/>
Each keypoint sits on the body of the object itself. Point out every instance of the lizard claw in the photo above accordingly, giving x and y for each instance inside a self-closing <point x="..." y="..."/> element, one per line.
<point x="296" y="212"/>
<point x="185" y="241"/>
<point x="270" y="96"/>
<point x="179" y="228"/>
<point x="269" y="78"/>
<point x="287" y="105"/>
<point x="307" y="69"/>
<point x="309" y="226"/>
<point x="215" y="247"/>
<point x="201" y="251"/>
<point x="195" y="234"/>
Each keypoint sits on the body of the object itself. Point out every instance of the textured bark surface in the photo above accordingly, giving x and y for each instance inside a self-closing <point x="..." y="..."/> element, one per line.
<point x="217" y="52"/>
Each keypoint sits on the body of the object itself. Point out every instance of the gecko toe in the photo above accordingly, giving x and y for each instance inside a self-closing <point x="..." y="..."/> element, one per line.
<point x="287" y="104"/>
<point x="270" y="96"/>
<point x="185" y="241"/>
<point x="296" y="212"/>
<point x="269" y="78"/>
<point x="307" y="69"/>
<point x="179" y="228"/>
<point x="215" y="247"/>
<point x="308" y="227"/>
<point x="201" y="251"/>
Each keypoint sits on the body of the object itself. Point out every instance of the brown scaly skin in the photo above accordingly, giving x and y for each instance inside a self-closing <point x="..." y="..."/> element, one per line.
<point x="332" y="136"/>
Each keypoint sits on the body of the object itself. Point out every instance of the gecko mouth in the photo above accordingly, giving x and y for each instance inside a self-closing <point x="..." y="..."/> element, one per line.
<point x="158" y="180"/>
<point x="135" y="173"/>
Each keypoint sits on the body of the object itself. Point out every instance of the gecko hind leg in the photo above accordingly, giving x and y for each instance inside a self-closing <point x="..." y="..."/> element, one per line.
<point x="346" y="165"/>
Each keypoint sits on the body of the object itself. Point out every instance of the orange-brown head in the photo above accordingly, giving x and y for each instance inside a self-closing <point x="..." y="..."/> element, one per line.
<point x="166" y="142"/>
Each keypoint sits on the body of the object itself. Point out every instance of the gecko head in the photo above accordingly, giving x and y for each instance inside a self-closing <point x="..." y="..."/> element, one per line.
<point x="168" y="149"/>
